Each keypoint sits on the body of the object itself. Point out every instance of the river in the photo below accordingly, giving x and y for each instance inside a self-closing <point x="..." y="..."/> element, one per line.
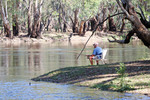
<point x="20" y="63"/>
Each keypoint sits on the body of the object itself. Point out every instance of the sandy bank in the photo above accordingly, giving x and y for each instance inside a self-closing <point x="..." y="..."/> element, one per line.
<point x="59" y="37"/>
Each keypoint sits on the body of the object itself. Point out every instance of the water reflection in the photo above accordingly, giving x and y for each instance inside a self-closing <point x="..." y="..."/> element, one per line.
<point x="18" y="64"/>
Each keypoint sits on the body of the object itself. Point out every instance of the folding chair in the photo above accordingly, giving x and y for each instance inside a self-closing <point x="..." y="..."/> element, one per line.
<point x="104" y="55"/>
<point x="104" y="52"/>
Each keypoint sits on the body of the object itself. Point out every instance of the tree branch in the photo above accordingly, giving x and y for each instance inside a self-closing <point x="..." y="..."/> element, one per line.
<point x="143" y="19"/>
<point x="122" y="8"/>
<point x="127" y="39"/>
<point x="71" y="19"/>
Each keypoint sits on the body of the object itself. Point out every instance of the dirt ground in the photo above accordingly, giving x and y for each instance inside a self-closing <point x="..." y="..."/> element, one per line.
<point x="59" y="37"/>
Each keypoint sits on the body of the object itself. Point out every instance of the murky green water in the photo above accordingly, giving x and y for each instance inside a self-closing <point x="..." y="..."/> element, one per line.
<point x="18" y="64"/>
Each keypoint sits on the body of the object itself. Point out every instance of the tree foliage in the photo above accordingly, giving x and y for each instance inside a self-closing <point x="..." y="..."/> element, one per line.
<point x="57" y="13"/>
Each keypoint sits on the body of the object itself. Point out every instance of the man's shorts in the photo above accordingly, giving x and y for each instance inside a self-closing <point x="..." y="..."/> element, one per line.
<point x="97" y="57"/>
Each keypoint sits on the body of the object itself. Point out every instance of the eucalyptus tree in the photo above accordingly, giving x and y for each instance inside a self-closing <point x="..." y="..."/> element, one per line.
<point x="138" y="26"/>
<point x="15" y="12"/>
<point x="34" y="9"/>
<point x="4" y="16"/>
<point x="83" y="10"/>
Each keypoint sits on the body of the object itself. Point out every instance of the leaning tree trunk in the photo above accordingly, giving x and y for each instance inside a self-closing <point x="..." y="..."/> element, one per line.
<point x="138" y="27"/>
<point x="5" y="20"/>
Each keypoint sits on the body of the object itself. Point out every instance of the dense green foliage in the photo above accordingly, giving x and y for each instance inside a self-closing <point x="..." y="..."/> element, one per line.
<point x="63" y="9"/>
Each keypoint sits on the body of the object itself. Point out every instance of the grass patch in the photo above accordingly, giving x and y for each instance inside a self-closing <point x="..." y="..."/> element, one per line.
<point x="115" y="77"/>
<point x="119" y="84"/>
<point x="103" y="86"/>
<point x="70" y="74"/>
<point x="114" y="86"/>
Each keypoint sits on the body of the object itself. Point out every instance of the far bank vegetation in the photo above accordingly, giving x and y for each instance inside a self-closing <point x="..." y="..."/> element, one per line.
<point x="37" y="17"/>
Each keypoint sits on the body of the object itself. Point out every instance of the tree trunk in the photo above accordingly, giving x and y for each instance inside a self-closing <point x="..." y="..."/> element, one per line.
<point x="142" y="32"/>
<point x="81" y="27"/>
<point x="29" y="18"/>
<point x="104" y="26"/>
<point x="64" y="20"/>
<point x="5" y="20"/>
<point x="48" y="23"/>
<point x="123" y="25"/>
<point x="75" y="23"/>
<point x="112" y="26"/>
<point x="93" y="23"/>
<point x="34" y="26"/>
<point x="64" y="27"/>
<point x="15" y="25"/>
<point x="85" y="28"/>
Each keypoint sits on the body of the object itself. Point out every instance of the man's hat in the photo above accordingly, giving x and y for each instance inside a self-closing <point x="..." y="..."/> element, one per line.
<point x="96" y="43"/>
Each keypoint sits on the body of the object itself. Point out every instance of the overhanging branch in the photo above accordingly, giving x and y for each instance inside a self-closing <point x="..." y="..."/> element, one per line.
<point x="127" y="39"/>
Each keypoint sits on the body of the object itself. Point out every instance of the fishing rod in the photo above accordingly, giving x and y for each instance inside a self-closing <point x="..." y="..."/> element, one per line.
<point x="95" y="30"/>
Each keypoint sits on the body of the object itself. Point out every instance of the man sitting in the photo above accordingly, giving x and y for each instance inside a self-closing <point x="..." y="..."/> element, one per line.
<point x="96" y="55"/>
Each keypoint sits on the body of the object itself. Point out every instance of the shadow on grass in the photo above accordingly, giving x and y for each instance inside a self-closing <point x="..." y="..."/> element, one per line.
<point x="73" y="75"/>
<point x="143" y="83"/>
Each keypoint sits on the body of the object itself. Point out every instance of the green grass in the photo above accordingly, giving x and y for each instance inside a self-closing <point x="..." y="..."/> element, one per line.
<point x="102" y="77"/>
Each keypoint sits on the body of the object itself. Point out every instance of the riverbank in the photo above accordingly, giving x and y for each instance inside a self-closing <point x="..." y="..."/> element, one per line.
<point x="104" y="77"/>
<point x="64" y="38"/>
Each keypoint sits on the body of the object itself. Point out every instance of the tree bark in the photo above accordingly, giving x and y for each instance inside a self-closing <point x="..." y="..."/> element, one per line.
<point x="75" y="23"/>
<point x="143" y="19"/>
<point x="112" y="26"/>
<point x="29" y="18"/>
<point x="37" y="20"/>
<point x="142" y="32"/>
<point x="15" y="24"/>
<point x="81" y="27"/>
<point x="34" y="26"/>
<point x="4" y="16"/>
<point x="104" y="25"/>
<point x="93" y="23"/>
<point x="85" y="28"/>
<point x="123" y="25"/>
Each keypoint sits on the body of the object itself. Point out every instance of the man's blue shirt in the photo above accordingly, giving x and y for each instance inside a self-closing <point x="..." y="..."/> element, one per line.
<point x="97" y="51"/>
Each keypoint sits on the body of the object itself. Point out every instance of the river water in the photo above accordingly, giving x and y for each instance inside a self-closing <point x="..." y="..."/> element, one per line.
<point x="20" y="63"/>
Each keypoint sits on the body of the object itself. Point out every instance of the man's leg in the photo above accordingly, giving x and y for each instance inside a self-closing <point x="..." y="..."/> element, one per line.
<point x="91" y="59"/>
<point x="97" y="61"/>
